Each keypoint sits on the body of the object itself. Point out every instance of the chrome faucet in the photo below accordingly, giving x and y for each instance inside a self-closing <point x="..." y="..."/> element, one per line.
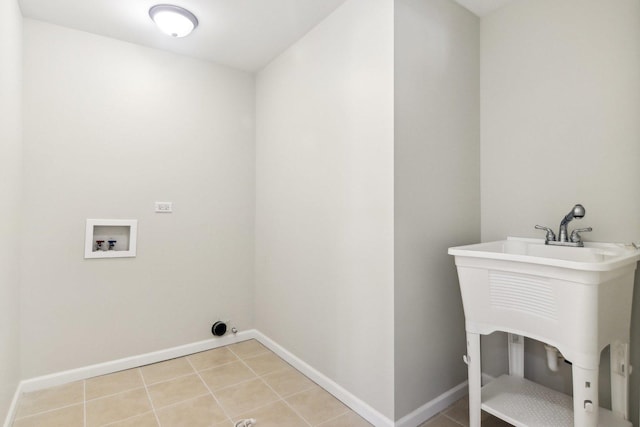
<point x="577" y="212"/>
<point x="575" y="239"/>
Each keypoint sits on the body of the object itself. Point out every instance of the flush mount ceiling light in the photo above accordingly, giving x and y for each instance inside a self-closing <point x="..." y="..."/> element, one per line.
<point x="173" y="20"/>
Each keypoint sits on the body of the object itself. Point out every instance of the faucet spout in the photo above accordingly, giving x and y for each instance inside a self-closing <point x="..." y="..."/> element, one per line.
<point x="578" y="212"/>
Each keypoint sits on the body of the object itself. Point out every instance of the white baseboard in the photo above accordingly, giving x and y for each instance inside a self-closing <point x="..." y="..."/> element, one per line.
<point x="440" y="403"/>
<point x="433" y="407"/>
<point x="359" y="406"/>
<point x="64" y="377"/>
<point x="13" y="407"/>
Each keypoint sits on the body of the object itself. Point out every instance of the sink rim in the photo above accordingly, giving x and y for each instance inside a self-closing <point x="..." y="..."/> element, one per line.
<point x="617" y="254"/>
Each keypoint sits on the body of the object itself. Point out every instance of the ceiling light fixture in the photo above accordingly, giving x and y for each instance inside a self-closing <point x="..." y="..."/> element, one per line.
<point x="173" y="20"/>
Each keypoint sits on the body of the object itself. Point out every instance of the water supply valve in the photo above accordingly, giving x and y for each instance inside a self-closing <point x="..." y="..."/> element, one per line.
<point x="575" y="234"/>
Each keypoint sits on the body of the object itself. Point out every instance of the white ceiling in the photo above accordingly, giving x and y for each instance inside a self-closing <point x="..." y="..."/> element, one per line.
<point x="244" y="34"/>
<point x="483" y="7"/>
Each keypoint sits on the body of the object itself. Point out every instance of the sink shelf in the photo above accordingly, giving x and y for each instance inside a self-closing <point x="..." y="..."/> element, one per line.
<point x="524" y="403"/>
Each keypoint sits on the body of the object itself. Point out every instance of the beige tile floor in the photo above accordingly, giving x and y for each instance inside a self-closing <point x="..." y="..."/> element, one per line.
<point x="458" y="415"/>
<point x="214" y="388"/>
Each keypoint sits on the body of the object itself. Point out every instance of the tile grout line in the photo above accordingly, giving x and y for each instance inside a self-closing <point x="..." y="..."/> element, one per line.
<point x="261" y="406"/>
<point x="271" y="388"/>
<point x="224" y="411"/>
<point x="311" y="387"/>
<point x="46" y="412"/>
<point x="126" y="419"/>
<point x="84" y="403"/>
<point x="236" y="384"/>
<point x="266" y="350"/>
<point x="212" y="367"/>
<point x="254" y="378"/>
<point x="153" y="408"/>
<point x="452" y="419"/>
<point x="115" y="394"/>
<point x="287" y="403"/>
<point x="170" y="379"/>
<point x="336" y="417"/>
<point x="171" y="405"/>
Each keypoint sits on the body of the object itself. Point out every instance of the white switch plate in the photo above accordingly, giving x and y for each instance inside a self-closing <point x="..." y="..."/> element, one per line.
<point x="164" y="207"/>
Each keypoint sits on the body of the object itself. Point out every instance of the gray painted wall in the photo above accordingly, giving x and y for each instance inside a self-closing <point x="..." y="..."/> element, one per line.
<point x="560" y="107"/>
<point x="110" y="128"/>
<point x="437" y="191"/>
<point x="10" y="196"/>
<point x="324" y="206"/>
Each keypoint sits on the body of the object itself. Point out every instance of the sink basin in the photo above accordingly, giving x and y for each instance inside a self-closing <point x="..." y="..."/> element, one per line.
<point x="576" y="299"/>
<point x="591" y="257"/>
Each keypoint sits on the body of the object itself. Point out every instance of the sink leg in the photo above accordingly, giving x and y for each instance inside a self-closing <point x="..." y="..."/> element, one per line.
<point x="620" y="379"/>
<point x="516" y="355"/>
<point x="475" y="378"/>
<point x="585" y="397"/>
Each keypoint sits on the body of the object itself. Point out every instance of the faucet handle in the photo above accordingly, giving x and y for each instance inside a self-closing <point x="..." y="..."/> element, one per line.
<point x="551" y="236"/>
<point x="575" y="234"/>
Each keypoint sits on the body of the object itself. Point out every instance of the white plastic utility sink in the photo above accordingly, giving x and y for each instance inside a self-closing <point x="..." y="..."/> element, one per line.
<point x="577" y="299"/>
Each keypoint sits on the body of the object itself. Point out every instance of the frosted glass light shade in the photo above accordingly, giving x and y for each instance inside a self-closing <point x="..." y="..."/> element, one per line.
<point x="173" y="20"/>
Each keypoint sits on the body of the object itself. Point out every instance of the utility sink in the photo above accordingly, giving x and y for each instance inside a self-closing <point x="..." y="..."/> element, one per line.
<point x="577" y="299"/>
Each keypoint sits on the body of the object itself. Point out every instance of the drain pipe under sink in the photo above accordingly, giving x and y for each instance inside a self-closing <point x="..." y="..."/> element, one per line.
<point x="552" y="357"/>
